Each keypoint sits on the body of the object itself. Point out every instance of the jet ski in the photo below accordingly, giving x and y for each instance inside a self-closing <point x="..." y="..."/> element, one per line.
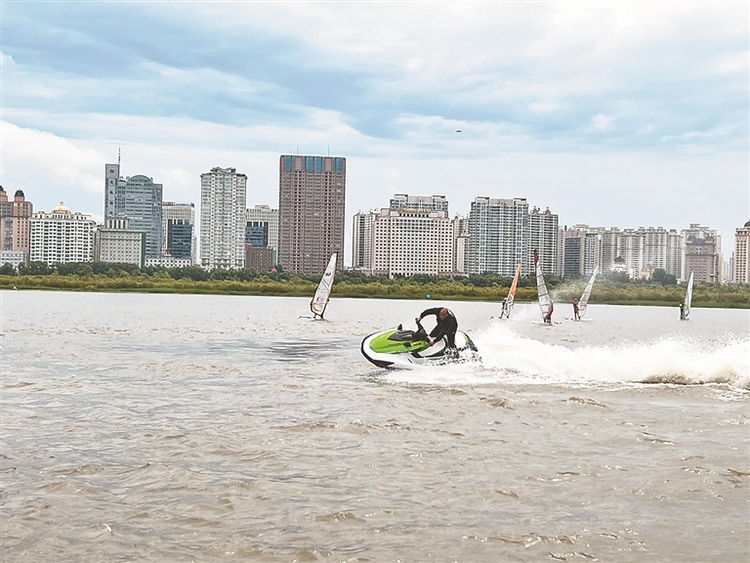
<point x="399" y="348"/>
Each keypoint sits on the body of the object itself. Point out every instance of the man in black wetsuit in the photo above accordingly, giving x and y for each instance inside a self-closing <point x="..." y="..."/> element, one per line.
<point x="447" y="325"/>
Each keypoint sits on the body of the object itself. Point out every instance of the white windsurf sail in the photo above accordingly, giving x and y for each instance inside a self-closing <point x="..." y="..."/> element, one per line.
<point x="545" y="300"/>
<point x="688" y="298"/>
<point x="508" y="307"/>
<point x="584" y="301"/>
<point x="320" y="299"/>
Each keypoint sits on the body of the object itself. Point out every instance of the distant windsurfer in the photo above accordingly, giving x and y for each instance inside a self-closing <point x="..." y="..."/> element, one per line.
<point x="576" y="312"/>
<point x="505" y="310"/>
<point x="548" y="314"/>
<point x="682" y="311"/>
<point x="446" y="326"/>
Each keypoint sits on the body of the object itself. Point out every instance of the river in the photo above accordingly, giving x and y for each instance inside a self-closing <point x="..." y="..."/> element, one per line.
<point x="141" y="427"/>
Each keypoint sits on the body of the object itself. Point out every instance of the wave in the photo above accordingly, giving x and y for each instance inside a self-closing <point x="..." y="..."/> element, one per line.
<point x="508" y="357"/>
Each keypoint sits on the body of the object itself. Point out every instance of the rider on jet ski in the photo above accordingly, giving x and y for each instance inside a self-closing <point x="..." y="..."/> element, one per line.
<point x="447" y="325"/>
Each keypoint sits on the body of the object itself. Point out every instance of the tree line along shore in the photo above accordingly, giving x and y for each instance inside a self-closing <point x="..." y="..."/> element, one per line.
<point x="609" y="289"/>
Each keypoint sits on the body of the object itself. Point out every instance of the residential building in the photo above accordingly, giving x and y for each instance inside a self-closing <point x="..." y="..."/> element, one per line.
<point x="116" y="242"/>
<point x="362" y="240"/>
<point x="139" y="199"/>
<point x="223" y="218"/>
<point x="15" y="226"/>
<point x="498" y="236"/>
<point x="259" y="259"/>
<point x="61" y="236"/>
<point x="420" y="203"/>
<point x="312" y="199"/>
<point x="403" y="242"/>
<point x="460" y="230"/>
<point x="637" y="252"/>
<point x="741" y="262"/>
<point x="12" y="257"/>
<point x="262" y="229"/>
<point x="582" y="251"/>
<point x="178" y="230"/>
<point x="701" y="254"/>
<point x="544" y="234"/>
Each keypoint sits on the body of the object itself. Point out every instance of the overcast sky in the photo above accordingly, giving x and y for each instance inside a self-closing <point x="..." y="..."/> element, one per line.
<point x="613" y="114"/>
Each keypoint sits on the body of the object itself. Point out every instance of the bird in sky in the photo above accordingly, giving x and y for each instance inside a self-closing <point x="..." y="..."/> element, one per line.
<point x="459" y="130"/>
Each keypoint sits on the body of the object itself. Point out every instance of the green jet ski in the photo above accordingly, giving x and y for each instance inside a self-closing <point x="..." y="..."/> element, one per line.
<point x="399" y="348"/>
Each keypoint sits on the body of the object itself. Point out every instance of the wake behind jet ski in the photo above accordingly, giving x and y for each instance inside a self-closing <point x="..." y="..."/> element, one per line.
<point x="399" y="348"/>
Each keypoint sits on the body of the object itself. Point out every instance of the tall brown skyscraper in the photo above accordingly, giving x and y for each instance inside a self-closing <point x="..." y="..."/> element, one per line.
<point x="312" y="197"/>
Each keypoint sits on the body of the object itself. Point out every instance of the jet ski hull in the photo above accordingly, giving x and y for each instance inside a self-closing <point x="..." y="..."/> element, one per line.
<point x="395" y="349"/>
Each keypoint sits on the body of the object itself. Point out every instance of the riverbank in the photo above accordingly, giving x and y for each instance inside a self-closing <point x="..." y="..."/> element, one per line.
<point x="605" y="291"/>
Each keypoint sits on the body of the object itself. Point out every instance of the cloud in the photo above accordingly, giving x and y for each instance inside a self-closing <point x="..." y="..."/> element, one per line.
<point x="574" y="105"/>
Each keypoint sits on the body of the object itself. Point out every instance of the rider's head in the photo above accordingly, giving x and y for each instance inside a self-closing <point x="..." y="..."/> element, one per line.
<point x="443" y="313"/>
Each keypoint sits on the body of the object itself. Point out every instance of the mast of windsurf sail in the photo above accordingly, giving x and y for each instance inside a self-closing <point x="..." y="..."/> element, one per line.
<point x="320" y="299"/>
<point x="545" y="301"/>
<point x="584" y="301"/>
<point x="688" y="297"/>
<point x="512" y="292"/>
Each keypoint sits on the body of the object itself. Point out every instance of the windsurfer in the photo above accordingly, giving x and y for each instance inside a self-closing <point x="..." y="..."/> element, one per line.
<point x="504" y="310"/>
<point x="682" y="311"/>
<point x="446" y="326"/>
<point x="548" y="314"/>
<point x="576" y="312"/>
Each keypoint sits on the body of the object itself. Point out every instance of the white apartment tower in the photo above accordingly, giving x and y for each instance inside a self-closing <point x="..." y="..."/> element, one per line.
<point x="543" y="236"/>
<point x="498" y="236"/>
<point x="61" y="236"/>
<point x="223" y="218"/>
<point x="460" y="229"/>
<point x="403" y="242"/>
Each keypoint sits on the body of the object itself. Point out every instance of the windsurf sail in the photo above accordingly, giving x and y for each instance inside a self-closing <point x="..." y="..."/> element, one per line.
<point x="508" y="305"/>
<point x="688" y="298"/>
<point x="584" y="301"/>
<point x="320" y="299"/>
<point x="545" y="300"/>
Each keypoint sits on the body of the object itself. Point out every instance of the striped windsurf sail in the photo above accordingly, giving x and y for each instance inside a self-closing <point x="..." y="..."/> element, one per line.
<point x="584" y="301"/>
<point x="320" y="299"/>
<point x="512" y="292"/>
<point x="545" y="300"/>
<point x="688" y="297"/>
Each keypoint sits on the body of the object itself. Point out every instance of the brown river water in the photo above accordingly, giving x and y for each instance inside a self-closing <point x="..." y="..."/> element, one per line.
<point x="186" y="428"/>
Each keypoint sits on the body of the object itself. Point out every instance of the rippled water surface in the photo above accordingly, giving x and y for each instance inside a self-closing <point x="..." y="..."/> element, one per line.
<point x="224" y="428"/>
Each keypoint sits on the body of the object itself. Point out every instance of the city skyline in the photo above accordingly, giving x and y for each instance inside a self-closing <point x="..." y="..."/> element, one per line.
<point x="634" y="121"/>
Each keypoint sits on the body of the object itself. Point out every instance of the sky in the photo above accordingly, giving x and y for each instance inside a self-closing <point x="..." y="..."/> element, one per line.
<point x="611" y="114"/>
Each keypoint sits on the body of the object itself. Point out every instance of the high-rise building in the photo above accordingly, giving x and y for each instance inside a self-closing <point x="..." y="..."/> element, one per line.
<point x="460" y="229"/>
<point x="139" y="199"/>
<point x="178" y="230"/>
<point x="403" y="242"/>
<point x="638" y="252"/>
<point x="116" y="242"/>
<point x="582" y="251"/>
<point x="262" y="230"/>
<point x="61" y="236"/>
<point x="15" y="228"/>
<point x="362" y="240"/>
<point x="741" y="270"/>
<point x="701" y="254"/>
<point x="420" y="203"/>
<point x="223" y="218"/>
<point x="312" y="199"/>
<point x="543" y="236"/>
<point x="498" y="236"/>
